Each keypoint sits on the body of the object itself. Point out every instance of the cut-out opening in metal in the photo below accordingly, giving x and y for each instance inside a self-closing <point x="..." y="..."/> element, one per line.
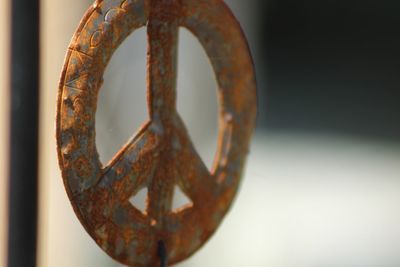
<point x="139" y="200"/>
<point x="180" y="199"/>
<point x="197" y="101"/>
<point x="122" y="108"/>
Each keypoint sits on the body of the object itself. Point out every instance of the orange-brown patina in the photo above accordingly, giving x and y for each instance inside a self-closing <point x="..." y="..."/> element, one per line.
<point x="161" y="155"/>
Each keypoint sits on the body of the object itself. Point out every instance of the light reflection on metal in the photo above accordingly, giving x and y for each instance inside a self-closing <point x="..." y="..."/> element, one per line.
<point x="161" y="155"/>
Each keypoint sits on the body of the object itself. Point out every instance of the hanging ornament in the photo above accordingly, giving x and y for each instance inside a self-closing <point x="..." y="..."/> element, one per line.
<point x="161" y="155"/>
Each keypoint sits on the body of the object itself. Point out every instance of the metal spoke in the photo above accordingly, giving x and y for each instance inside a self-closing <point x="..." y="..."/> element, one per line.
<point x="194" y="177"/>
<point x="134" y="165"/>
<point x="162" y="33"/>
<point x="161" y="190"/>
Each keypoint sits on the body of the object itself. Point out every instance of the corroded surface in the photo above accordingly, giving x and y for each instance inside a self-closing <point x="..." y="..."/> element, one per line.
<point x="161" y="155"/>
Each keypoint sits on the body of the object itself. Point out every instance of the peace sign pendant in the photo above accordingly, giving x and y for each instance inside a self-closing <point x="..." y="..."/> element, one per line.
<point x="161" y="155"/>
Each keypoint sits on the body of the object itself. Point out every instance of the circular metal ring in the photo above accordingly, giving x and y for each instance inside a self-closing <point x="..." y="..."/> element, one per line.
<point x="161" y="155"/>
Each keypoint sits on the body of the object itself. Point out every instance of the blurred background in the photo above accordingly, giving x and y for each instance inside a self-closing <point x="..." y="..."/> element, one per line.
<point x="322" y="183"/>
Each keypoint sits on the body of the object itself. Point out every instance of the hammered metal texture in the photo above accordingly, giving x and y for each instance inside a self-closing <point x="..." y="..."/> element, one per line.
<point x="161" y="155"/>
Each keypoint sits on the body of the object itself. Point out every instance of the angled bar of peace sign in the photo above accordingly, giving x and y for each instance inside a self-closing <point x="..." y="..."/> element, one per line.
<point x="193" y="176"/>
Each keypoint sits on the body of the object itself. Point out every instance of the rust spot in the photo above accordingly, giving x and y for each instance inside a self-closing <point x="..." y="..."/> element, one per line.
<point x="96" y="38"/>
<point x="162" y="155"/>
<point x="82" y="166"/>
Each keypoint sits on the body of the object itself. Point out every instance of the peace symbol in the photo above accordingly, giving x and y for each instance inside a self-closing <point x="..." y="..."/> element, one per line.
<point x="161" y="155"/>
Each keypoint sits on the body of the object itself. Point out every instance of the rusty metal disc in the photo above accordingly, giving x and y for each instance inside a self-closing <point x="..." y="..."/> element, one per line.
<point x="161" y="155"/>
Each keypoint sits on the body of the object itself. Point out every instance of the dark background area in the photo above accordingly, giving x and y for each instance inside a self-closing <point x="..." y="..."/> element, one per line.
<point x="331" y="66"/>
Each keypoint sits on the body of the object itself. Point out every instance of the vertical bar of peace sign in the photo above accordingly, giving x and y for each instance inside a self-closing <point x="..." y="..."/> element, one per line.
<point x="161" y="154"/>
